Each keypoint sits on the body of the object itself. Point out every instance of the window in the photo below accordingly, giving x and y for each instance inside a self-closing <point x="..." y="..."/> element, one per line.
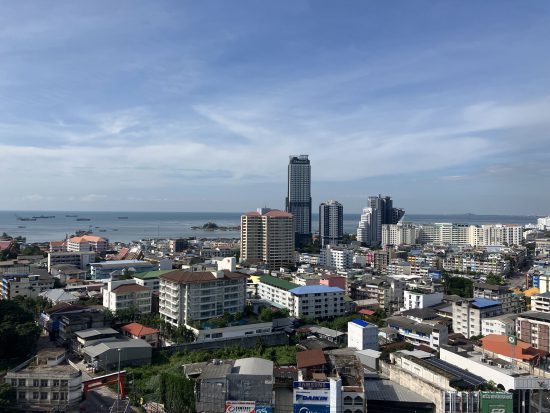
<point x="61" y="396"/>
<point x="64" y="382"/>
<point x="348" y="400"/>
<point x="56" y="383"/>
<point x="22" y="382"/>
<point x="43" y="383"/>
<point x="55" y="396"/>
<point x="36" y="383"/>
<point x="35" y="395"/>
<point x="14" y="382"/>
<point x="21" y="395"/>
<point x="43" y="395"/>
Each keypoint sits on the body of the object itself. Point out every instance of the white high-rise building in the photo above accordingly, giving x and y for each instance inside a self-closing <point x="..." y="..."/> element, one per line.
<point x="364" y="231"/>
<point x="399" y="234"/>
<point x="380" y="211"/>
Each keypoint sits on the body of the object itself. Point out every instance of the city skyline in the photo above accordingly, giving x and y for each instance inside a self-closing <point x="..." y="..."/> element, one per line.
<point x="196" y="106"/>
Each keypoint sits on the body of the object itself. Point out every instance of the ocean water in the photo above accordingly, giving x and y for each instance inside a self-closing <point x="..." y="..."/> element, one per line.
<point x="139" y="225"/>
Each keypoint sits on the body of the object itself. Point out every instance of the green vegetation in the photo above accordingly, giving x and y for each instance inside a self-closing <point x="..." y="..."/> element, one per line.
<point x="337" y="323"/>
<point x="176" y="393"/>
<point x="18" y="331"/>
<point x="147" y="380"/>
<point x="31" y="250"/>
<point x="313" y="248"/>
<point x="495" y="279"/>
<point x="7" y="397"/>
<point x="463" y="287"/>
<point x="210" y="226"/>
<point x="349" y="238"/>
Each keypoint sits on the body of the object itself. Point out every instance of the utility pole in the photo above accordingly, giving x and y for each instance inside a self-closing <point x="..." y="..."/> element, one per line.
<point x="118" y="380"/>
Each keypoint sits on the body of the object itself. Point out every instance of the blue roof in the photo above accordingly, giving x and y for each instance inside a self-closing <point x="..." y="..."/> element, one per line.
<point x="314" y="289"/>
<point x="360" y="322"/>
<point x="484" y="302"/>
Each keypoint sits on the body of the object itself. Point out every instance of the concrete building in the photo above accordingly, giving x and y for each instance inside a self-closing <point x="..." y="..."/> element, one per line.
<point x="25" y="286"/>
<point x="541" y="302"/>
<point x="267" y="236"/>
<point x="276" y="290"/>
<point x="362" y="335"/>
<point x="469" y="313"/>
<point x="510" y="302"/>
<point x="339" y="258"/>
<point x="105" y="355"/>
<point x="331" y="223"/>
<point x="139" y="331"/>
<point x="87" y="243"/>
<point x="418" y="299"/>
<point x="318" y="301"/>
<point x="127" y="294"/>
<point x="503" y="324"/>
<point x="112" y="269"/>
<point x="46" y="382"/>
<point x="431" y="332"/>
<point x="534" y="328"/>
<point x="402" y="233"/>
<point x="80" y="259"/>
<point x="298" y="199"/>
<point x="198" y="296"/>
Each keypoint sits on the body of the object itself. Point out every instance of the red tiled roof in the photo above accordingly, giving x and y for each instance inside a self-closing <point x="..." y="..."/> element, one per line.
<point x="129" y="288"/>
<point x="139" y="330"/>
<point x="366" y="312"/>
<point x="87" y="238"/>
<point x="65" y="307"/>
<point x="252" y="214"/>
<point x="186" y="277"/>
<point x="4" y="245"/>
<point x="57" y="243"/>
<point x="310" y="358"/>
<point x="499" y="344"/>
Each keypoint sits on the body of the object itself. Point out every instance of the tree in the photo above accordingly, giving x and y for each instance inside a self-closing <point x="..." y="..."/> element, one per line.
<point x="7" y="397"/>
<point x="18" y="331"/>
<point x="463" y="287"/>
<point x="177" y="393"/>
<point x="32" y="250"/>
<point x="494" y="279"/>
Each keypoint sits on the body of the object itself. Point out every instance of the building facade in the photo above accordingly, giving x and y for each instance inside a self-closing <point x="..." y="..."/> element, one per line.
<point x="298" y="199"/>
<point x="469" y="313"/>
<point x="87" y="243"/>
<point x="198" y="296"/>
<point x="331" y="223"/>
<point x="267" y="236"/>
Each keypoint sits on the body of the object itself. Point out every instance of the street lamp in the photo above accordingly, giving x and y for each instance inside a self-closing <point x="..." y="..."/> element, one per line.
<point x="118" y="380"/>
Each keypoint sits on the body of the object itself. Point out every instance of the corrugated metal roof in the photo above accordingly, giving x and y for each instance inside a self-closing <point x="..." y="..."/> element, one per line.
<point x="314" y="289"/>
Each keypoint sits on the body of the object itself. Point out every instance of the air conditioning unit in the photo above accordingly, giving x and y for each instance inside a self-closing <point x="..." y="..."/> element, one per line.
<point x="490" y="362"/>
<point x="484" y="360"/>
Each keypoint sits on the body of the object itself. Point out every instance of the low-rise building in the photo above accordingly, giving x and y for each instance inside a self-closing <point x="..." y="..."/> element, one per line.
<point x="92" y="336"/>
<point x="25" y="286"/>
<point x="504" y="324"/>
<point x="362" y="335"/>
<point x="276" y="290"/>
<point x="318" y="301"/>
<point x="420" y="299"/>
<point x="469" y="313"/>
<point x="139" y="331"/>
<point x="105" y="355"/>
<point x="125" y="295"/>
<point x="431" y="333"/>
<point x="511" y="303"/>
<point x="46" y="382"/>
<point x="112" y="269"/>
<point x="541" y="302"/>
<point x="80" y="259"/>
<point x="533" y="327"/>
<point x="87" y="243"/>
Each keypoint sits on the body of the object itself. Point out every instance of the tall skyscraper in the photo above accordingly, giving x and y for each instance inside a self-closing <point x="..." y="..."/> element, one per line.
<point x="331" y="223"/>
<point x="298" y="199"/>
<point x="380" y="211"/>
<point x="267" y="236"/>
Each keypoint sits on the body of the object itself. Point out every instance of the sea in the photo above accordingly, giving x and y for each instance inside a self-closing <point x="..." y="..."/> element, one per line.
<point x="133" y="226"/>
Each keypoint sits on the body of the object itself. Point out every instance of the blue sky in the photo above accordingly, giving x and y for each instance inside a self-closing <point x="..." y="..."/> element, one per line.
<point x="195" y="106"/>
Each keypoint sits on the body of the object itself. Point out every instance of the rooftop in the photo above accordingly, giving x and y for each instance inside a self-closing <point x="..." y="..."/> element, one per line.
<point x="360" y="322"/>
<point x="186" y="277"/>
<point x="422" y="313"/>
<point x="119" y="262"/>
<point x="278" y="282"/>
<point x="92" y="332"/>
<point x="387" y="390"/>
<point x="315" y="289"/>
<point x="253" y="366"/>
<point x="129" y="288"/>
<point x="96" y="350"/>
<point x="138" y="330"/>
<point x="150" y="274"/>
<point x="484" y="302"/>
<point x="310" y="358"/>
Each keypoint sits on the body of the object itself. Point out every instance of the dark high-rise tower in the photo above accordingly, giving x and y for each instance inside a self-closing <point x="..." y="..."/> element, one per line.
<point x="380" y="211"/>
<point x="331" y="223"/>
<point x="298" y="199"/>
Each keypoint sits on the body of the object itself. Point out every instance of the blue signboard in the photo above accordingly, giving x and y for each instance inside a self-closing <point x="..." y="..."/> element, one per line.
<point x="536" y="281"/>
<point x="311" y="408"/>
<point x="264" y="409"/>
<point x="434" y="275"/>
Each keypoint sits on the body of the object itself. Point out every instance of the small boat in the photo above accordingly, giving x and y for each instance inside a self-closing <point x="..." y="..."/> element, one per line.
<point x="122" y="217"/>
<point x="21" y="226"/>
<point x="115" y="229"/>
<point x="25" y="219"/>
<point x="71" y="216"/>
<point x="83" y="219"/>
<point x="102" y="230"/>
<point x="44" y="216"/>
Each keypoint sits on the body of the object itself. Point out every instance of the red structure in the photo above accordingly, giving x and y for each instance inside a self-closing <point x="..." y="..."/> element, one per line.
<point x="104" y="381"/>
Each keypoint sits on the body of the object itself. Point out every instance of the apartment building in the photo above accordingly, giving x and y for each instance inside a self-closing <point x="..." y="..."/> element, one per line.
<point x="46" y="382"/>
<point x="431" y="332"/>
<point x="80" y="259"/>
<point x="340" y="258"/>
<point x="199" y="296"/>
<point x="110" y="269"/>
<point x="318" y="301"/>
<point x="276" y="290"/>
<point x="125" y="295"/>
<point x="469" y="313"/>
<point x="541" y="302"/>
<point x="267" y="236"/>
<point x="419" y="299"/>
<point x="534" y="328"/>
<point x="25" y="286"/>
<point x="476" y="263"/>
<point x="87" y="243"/>
<point x="503" y="324"/>
<point x="511" y="303"/>
<point x="362" y="335"/>
<point x="399" y="234"/>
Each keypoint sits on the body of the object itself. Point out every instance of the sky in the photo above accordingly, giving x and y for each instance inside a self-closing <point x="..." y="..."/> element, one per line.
<point x="196" y="105"/>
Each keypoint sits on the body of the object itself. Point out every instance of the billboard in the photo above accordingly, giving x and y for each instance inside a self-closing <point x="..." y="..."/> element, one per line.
<point x="311" y="385"/>
<point x="240" y="407"/>
<point x="264" y="408"/>
<point x="496" y="402"/>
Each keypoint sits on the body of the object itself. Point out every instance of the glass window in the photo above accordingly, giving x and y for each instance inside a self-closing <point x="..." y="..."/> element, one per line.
<point x="36" y="383"/>
<point x="61" y="396"/>
<point x="35" y="395"/>
<point x="55" y="396"/>
<point x="43" y="383"/>
<point x="21" y="395"/>
<point x="43" y="396"/>
<point x="21" y="382"/>
<point x="56" y="383"/>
